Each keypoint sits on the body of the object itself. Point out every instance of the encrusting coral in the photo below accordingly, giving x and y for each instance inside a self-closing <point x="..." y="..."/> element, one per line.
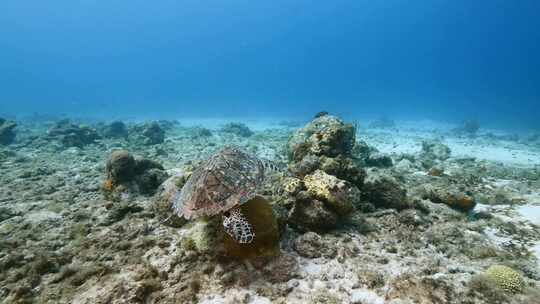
<point x="506" y="278"/>
<point x="338" y="194"/>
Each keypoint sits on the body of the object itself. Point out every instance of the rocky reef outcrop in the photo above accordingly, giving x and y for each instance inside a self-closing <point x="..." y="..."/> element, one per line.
<point x="72" y="135"/>
<point x="116" y="129"/>
<point x="237" y="128"/>
<point x="330" y="182"/>
<point x="384" y="191"/>
<point x="147" y="134"/>
<point x="450" y="196"/>
<point x="326" y="135"/>
<point x="127" y="174"/>
<point x="7" y="132"/>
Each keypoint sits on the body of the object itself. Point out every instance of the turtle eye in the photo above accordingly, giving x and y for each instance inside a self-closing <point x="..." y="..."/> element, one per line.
<point x="227" y="214"/>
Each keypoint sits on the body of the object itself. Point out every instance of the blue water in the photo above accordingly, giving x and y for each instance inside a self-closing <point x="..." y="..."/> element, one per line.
<point x="444" y="60"/>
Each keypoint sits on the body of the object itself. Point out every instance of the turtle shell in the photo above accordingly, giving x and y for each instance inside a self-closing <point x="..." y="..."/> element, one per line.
<point x="227" y="179"/>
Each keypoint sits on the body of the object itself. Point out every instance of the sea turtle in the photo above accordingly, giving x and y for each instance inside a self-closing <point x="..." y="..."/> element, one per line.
<point x="226" y="180"/>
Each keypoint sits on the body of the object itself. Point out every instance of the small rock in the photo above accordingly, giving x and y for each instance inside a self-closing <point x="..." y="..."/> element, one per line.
<point x="120" y="166"/>
<point x="384" y="191"/>
<point x="311" y="215"/>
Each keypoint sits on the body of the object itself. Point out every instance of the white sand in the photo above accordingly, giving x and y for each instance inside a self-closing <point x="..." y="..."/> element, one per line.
<point x="407" y="138"/>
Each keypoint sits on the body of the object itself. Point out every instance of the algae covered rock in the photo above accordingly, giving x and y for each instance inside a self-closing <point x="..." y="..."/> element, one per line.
<point x="202" y="235"/>
<point x="321" y="158"/>
<point x="325" y="135"/>
<point x="344" y="168"/>
<point x="71" y="135"/>
<point x="453" y="198"/>
<point x="120" y="166"/>
<point x="199" y="132"/>
<point x="382" y="190"/>
<point x="116" y="129"/>
<point x="506" y="278"/>
<point x="7" y="133"/>
<point x="237" y="128"/>
<point x="339" y="195"/>
<point x="149" y="180"/>
<point x="153" y="134"/>
<point x="311" y="215"/>
<point x="134" y="174"/>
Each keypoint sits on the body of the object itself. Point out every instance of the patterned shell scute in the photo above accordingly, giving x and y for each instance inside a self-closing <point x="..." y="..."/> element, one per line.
<point x="225" y="180"/>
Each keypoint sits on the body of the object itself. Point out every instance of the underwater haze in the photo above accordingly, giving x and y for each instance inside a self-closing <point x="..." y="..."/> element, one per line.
<point x="441" y="60"/>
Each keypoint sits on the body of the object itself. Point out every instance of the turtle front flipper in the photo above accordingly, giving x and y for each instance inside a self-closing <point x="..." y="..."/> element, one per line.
<point x="238" y="227"/>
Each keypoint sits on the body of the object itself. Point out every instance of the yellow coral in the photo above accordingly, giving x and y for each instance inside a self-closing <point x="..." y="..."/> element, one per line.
<point x="332" y="190"/>
<point x="292" y="185"/>
<point x="319" y="184"/>
<point x="506" y="278"/>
